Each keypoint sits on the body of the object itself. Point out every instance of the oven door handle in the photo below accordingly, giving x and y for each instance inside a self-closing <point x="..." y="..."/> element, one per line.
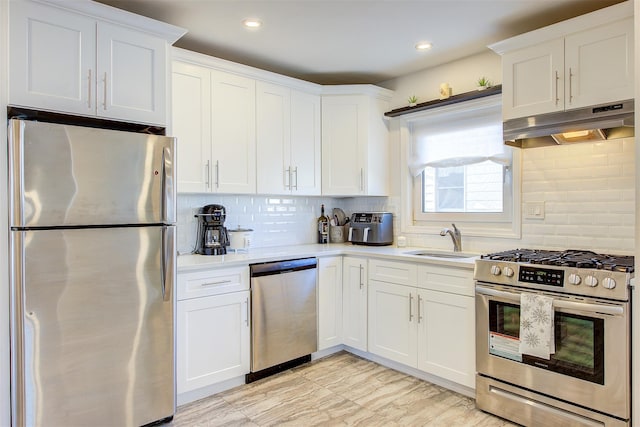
<point x="614" y="310"/>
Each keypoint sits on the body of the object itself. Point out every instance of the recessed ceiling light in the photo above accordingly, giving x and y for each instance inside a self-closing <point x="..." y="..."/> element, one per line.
<point x="423" y="46"/>
<point x="252" y="23"/>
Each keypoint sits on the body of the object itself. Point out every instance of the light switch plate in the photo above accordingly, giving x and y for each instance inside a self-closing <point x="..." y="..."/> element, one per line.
<point x="534" y="210"/>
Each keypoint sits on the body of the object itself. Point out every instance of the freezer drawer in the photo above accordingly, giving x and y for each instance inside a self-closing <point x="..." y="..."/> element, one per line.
<point x="92" y="326"/>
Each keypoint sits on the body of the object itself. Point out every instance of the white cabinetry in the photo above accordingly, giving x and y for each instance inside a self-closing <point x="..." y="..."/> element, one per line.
<point x="329" y="302"/>
<point x="214" y="121"/>
<point x="288" y="140"/>
<point x="355" y="151"/>
<point x="213" y="332"/>
<point x="584" y="61"/>
<point x="446" y="330"/>
<point x="354" y="302"/>
<point x="423" y="317"/>
<point x="71" y="61"/>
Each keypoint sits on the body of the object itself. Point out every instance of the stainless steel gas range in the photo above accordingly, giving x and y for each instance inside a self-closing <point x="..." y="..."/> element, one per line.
<point x="553" y="337"/>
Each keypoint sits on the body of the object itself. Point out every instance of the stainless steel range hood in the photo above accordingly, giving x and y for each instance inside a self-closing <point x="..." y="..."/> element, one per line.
<point x="599" y="122"/>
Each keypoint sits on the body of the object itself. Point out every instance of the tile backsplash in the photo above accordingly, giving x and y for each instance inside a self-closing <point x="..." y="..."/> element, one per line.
<point x="588" y="192"/>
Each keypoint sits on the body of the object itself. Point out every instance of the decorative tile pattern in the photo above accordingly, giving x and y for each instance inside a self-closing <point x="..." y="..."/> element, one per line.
<point x="339" y="390"/>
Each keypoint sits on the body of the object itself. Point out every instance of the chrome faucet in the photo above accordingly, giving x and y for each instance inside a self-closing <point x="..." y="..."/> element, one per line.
<point x="455" y="236"/>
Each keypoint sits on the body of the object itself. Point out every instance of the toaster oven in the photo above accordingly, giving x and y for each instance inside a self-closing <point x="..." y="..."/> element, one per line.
<point x="371" y="228"/>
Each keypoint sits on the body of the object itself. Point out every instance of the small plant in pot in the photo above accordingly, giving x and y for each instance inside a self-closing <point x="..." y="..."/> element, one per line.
<point x="483" y="83"/>
<point x="413" y="100"/>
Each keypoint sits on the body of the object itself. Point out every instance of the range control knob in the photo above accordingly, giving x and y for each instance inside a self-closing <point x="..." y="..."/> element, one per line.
<point x="591" y="281"/>
<point x="508" y="271"/>
<point x="574" y="279"/>
<point x="495" y="270"/>
<point x="608" y="283"/>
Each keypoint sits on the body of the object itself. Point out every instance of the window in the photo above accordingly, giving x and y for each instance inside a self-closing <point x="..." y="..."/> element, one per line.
<point x="460" y="169"/>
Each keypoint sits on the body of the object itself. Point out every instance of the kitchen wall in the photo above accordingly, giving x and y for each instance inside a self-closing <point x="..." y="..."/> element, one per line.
<point x="588" y="189"/>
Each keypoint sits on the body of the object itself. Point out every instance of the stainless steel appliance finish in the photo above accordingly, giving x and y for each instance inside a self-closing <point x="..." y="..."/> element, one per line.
<point x="612" y="121"/>
<point x="371" y="228"/>
<point x="283" y="312"/>
<point x="587" y="380"/>
<point x="92" y="275"/>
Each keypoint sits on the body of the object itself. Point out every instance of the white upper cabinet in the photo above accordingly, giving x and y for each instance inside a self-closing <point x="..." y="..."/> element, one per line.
<point x="191" y="124"/>
<point x="233" y="133"/>
<point x="584" y="61"/>
<point x="288" y="140"/>
<point x="71" y="61"/>
<point x="355" y="134"/>
<point x="213" y="117"/>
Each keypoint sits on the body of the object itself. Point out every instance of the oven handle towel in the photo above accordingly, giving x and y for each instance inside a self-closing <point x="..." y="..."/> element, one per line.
<point x="613" y="310"/>
<point x="536" y="325"/>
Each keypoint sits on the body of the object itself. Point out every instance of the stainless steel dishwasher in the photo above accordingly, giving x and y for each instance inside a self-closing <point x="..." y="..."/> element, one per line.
<point x="283" y="315"/>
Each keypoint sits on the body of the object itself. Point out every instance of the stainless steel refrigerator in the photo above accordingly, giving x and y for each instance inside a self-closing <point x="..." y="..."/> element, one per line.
<point x="92" y="215"/>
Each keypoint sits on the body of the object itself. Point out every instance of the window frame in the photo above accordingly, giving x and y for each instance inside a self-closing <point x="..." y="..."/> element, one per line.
<point x="501" y="225"/>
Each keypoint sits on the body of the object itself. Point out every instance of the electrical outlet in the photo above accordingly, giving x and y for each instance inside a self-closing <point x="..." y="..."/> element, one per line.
<point x="534" y="210"/>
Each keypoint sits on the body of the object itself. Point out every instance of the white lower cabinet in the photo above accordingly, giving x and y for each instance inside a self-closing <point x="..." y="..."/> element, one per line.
<point x="354" y="302"/>
<point x="432" y="330"/>
<point x="213" y="331"/>
<point x="329" y="302"/>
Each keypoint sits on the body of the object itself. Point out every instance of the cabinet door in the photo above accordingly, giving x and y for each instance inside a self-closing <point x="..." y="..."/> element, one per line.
<point x="273" y="138"/>
<point x="599" y="65"/>
<point x="392" y="321"/>
<point x="446" y="336"/>
<point x="233" y="133"/>
<point x="344" y="132"/>
<point x="533" y="80"/>
<point x="191" y="124"/>
<point x="131" y="75"/>
<point x="212" y="340"/>
<point x="329" y="302"/>
<point x="354" y="302"/>
<point x="305" y="144"/>
<point x="52" y="59"/>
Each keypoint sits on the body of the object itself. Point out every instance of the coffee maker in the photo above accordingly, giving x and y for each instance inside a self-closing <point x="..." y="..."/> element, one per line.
<point x="212" y="234"/>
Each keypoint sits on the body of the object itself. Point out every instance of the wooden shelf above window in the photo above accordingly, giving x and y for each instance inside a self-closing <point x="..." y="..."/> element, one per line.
<point x="453" y="99"/>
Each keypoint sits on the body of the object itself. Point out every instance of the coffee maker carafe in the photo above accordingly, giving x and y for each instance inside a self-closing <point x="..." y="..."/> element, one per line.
<point x="212" y="234"/>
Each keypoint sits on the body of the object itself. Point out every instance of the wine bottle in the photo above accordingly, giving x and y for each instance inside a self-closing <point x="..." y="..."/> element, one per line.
<point x="323" y="227"/>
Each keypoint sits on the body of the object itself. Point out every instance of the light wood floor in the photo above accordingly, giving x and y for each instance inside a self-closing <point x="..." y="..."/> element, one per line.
<point x="339" y="390"/>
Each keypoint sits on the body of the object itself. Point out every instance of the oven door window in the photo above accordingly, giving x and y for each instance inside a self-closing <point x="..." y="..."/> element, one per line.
<point x="579" y="342"/>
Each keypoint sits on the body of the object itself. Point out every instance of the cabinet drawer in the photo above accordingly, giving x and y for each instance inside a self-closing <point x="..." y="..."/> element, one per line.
<point x="401" y="273"/>
<point x="446" y="279"/>
<point x="212" y="282"/>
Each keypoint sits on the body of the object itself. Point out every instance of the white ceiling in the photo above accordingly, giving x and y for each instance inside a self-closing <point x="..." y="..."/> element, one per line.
<point x="352" y="41"/>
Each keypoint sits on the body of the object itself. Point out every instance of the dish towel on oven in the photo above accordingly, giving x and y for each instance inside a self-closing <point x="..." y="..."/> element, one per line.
<point x="536" y="325"/>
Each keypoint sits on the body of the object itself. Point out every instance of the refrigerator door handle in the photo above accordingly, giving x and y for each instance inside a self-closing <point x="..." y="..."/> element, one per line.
<point x="168" y="267"/>
<point x="168" y="199"/>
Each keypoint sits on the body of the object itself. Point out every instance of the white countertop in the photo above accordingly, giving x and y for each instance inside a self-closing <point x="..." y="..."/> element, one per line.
<point x="192" y="262"/>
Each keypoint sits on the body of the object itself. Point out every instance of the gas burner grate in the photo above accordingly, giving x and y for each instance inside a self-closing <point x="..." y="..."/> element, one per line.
<point x="569" y="258"/>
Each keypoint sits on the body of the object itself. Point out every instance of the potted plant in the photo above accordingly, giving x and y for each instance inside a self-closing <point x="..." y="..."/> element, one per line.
<point x="413" y="100"/>
<point x="483" y="83"/>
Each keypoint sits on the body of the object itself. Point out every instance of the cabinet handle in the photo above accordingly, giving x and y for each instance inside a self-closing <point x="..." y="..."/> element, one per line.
<point x="89" y="89"/>
<point x="557" y="82"/>
<point x="419" y="314"/>
<point x="361" y="179"/>
<point x="221" y="282"/>
<point x="361" y="284"/>
<point x="287" y="178"/>
<point x="410" y="307"/>
<point x="208" y="174"/>
<point x="104" y="102"/>
<point x="570" y="85"/>
<point x="295" y="171"/>
<point x="217" y="174"/>
<point x="246" y="321"/>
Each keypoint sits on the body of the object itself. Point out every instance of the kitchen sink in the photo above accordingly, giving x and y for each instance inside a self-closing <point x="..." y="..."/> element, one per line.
<point x="437" y="254"/>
